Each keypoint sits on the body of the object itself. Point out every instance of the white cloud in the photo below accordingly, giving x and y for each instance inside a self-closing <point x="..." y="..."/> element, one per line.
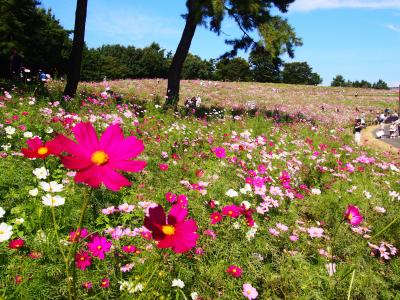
<point x="307" y="5"/>
<point x="393" y="27"/>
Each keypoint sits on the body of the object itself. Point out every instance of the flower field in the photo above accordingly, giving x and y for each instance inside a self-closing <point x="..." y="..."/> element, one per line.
<point x="259" y="192"/>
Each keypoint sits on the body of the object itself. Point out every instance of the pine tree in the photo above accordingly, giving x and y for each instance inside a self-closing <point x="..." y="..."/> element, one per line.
<point x="250" y="15"/>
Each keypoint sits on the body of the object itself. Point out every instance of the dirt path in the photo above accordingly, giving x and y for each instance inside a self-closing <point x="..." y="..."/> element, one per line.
<point x="368" y="139"/>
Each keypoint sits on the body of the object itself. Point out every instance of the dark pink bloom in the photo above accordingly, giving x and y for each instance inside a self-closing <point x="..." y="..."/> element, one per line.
<point x="235" y="271"/>
<point x="219" y="152"/>
<point x="163" y="167"/>
<point x="97" y="161"/>
<point x="173" y="231"/>
<point x="216" y="217"/>
<point x="352" y="215"/>
<point x="82" y="260"/>
<point x="36" y="148"/>
<point x="87" y="285"/>
<point x="99" y="246"/>
<point x="105" y="283"/>
<point x="16" y="244"/>
<point x="232" y="211"/>
<point x="129" y="249"/>
<point x="170" y="197"/>
<point x="182" y="200"/>
<point x="79" y="234"/>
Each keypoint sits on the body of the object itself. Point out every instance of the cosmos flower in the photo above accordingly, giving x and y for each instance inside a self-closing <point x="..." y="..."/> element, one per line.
<point x="173" y="231"/>
<point x="235" y="271"/>
<point x="16" y="244"/>
<point x="79" y="234"/>
<point x="83" y="260"/>
<point x="352" y="215"/>
<point x="219" y="152"/>
<point x="99" y="246"/>
<point x="97" y="161"/>
<point x="105" y="283"/>
<point x="232" y="211"/>
<point x="249" y="292"/>
<point x="215" y="217"/>
<point x="36" y="148"/>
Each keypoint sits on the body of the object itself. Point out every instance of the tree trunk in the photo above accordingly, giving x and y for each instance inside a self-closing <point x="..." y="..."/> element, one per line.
<point x="175" y="70"/>
<point x="75" y="59"/>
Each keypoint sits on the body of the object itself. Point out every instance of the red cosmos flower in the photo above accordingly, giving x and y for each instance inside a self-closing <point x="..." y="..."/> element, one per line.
<point x="97" y="160"/>
<point x="79" y="234"/>
<point x="232" y="211"/>
<point x="216" y="217"/>
<point x="99" y="246"/>
<point x="172" y="231"/>
<point x="83" y="260"/>
<point x="235" y="271"/>
<point x="129" y="249"/>
<point x="105" y="283"/>
<point x="36" y="148"/>
<point x="16" y="244"/>
<point x="352" y="215"/>
<point x="163" y="167"/>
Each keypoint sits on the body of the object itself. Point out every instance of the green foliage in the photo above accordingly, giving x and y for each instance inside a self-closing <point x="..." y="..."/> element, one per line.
<point x="235" y="69"/>
<point x="37" y="35"/>
<point x="300" y="73"/>
<point x="380" y="85"/>
<point x="197" y="68"/>
<point x="339" y="81"/>
<point x="265" y="67"/>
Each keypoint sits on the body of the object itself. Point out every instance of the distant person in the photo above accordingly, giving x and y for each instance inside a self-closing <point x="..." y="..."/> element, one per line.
<point x="15" y="63"/>
<point x="357" y="131"/>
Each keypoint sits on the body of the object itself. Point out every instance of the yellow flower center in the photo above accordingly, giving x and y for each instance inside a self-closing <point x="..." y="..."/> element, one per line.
<point x="168" y="229"/>
<point x="99" y="247"/>
<point x="1" y="232"/>
<point x="43" y="150"/>
<point x="234" y="271"/>
<point x="248" y="292"/>
<point x="350" y="217"/>
<point x="82" y="258"/>
<point x="99" y="158"/>
<point x="230" y="213"/>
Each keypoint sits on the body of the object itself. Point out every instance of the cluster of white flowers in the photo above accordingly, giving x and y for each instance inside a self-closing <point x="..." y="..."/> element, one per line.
<point x="5" y="229"/>
<point x="130" y="287"/>
<point x="49" y="187"/>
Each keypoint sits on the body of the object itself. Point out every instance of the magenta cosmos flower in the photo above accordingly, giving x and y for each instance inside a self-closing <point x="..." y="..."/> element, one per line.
<point x="82" y="260"/>
<point x="235" y="271"/>
<point x="173" y="231"/>
<point x="99" y="246"/>
<point x="38" y="149"/>
<point x="97" y="161"/>
<point x="352" y="215"/>
<point x="220" y="152"/>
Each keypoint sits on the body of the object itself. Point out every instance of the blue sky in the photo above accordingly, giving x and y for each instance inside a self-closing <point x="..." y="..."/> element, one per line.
<point x="359" y="39"/>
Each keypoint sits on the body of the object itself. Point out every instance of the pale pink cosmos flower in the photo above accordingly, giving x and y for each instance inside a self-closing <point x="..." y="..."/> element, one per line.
<point x="282" y="227"/>
<point x="315" y="232"/>
<point x="249" y="292"/>
<point x="274" y="232"/>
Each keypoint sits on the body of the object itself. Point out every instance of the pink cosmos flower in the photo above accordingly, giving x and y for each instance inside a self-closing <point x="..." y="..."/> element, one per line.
<point x="82" y="260"/>
<point x="173" y="231"/>
<point x="79" y="234"/>
<point x="219" y="152"/>
<point x="97" y="161"/>
<point x="105" y="283"/>
<point x="232" y="211"/>
<point x="99" y="246"/>
<point x="182" y="200"/>
<point x="87" y="285"/>
<point x="216" y="217"/>
<point x="315" y="232"/>
<point x="163" y="167"/>
<point x="249" y="292"/>
<point x="274" y="232"/>
<point x="129" y="249"/>
<point x="353" y="216"/>
<point x="170" y="197"/>
<point x="235" y="271"/>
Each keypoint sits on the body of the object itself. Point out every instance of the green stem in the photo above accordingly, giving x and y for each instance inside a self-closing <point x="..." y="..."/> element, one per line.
<point x="351" y="285"/>
<point x="73" y="249"/>
<point x="386" y="227"/>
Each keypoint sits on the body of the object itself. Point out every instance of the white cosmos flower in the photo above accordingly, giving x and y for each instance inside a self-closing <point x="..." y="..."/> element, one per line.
<point x="5" y="232"/>
<point x="9" y="130"/>
<point x="178" y="283"/>
<point x="138" y="288"/>
<point x="52" y="187"/>
<point x="34" y="192"/>
<point x="19" y="221"/>
<point x="316" y="191"/>
<point x="50" y="200"/>
<point x="231" y="193"/>
<point x="49" y="130"/>
<point x="2" y="212"/>
<point x="41" y="173"/>
<point x="194" y="295"/>
<point x="28" y="134"/>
